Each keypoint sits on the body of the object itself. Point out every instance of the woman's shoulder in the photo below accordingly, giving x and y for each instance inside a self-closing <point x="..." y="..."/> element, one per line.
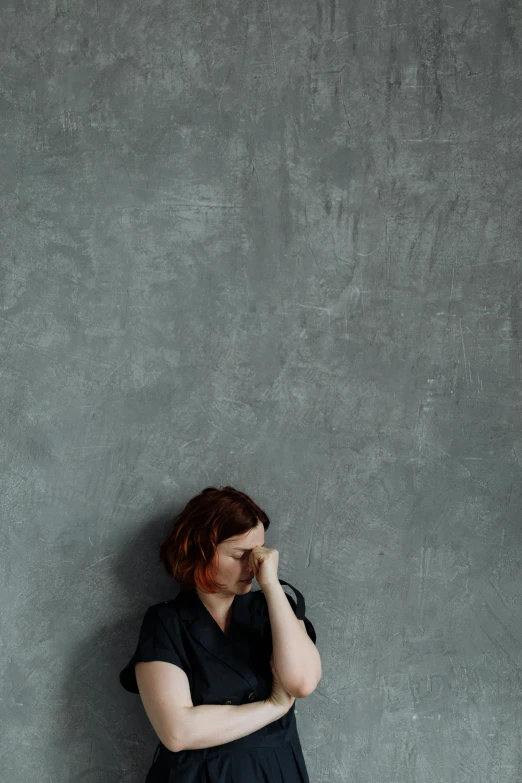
<point x="162" y="612"/>
<point x="160" y="619"/>
<point x="159" y="639"/>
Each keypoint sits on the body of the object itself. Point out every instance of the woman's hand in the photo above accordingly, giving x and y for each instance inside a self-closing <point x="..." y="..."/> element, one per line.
<point x="264" y="562"/>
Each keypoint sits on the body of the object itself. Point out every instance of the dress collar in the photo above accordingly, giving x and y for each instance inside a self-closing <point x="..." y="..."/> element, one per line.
<point x="204" y="629"/>
<point x="194" y="610"/>
<point x="230" y="647"/>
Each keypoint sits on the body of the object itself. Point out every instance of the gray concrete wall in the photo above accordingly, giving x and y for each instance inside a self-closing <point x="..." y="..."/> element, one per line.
<point x="275" y="245"/>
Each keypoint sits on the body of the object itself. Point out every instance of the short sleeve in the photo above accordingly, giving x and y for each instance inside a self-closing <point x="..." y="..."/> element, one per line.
<point x="159" y="640"/>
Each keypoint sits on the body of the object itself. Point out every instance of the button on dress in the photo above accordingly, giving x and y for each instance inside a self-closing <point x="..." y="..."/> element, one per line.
<point x="231" y="668"/>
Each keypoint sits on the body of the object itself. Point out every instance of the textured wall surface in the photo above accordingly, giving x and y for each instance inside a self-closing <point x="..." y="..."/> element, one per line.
<point x="275" y="245"/>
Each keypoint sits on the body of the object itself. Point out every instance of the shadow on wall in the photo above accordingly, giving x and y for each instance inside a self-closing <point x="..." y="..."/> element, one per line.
<point x="103" y="731"/>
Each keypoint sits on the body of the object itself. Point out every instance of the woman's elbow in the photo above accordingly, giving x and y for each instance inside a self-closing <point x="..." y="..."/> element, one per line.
<point x="309" y="687"/>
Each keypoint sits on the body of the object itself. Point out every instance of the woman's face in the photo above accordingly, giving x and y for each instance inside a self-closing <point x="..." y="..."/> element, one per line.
<point x="232" y="559"/>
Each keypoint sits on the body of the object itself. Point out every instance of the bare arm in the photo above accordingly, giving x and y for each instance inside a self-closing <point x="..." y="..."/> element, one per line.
<point x="165" y="693"/>
<point x="214" y="724"/>
<point x="296" y="658"/>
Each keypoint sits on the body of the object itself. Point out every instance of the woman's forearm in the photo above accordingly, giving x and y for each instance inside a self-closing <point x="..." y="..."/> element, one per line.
<point x="296" y="658"/>
<point x="214" y="724"/>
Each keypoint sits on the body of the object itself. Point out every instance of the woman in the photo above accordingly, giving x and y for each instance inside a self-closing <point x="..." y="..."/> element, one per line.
<point x="219" y="667"/>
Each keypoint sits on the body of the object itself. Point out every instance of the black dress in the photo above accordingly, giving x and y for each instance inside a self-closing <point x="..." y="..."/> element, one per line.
<point x="231" y="668"/>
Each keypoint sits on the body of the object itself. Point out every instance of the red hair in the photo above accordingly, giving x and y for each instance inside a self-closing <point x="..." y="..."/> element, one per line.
<point x="212" y="516"/>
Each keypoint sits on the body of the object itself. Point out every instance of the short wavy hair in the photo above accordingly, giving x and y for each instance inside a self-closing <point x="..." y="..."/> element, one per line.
<point x="210" y="517"/>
